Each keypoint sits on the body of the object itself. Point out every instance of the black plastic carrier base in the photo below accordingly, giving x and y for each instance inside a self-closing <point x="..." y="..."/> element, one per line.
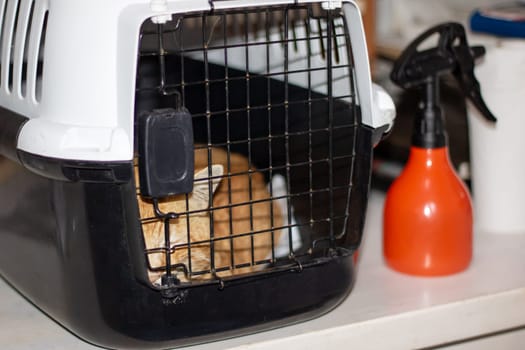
<point x="71" y="232"/>
<point x="66" y="247"/>
<point x="71" y="249"/>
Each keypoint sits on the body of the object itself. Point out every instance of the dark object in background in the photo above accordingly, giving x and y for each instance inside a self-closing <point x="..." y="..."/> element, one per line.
<point x="506" y="20"/>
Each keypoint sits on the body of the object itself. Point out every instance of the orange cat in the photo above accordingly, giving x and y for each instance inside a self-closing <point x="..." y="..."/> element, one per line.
<point x="232" y="224"/>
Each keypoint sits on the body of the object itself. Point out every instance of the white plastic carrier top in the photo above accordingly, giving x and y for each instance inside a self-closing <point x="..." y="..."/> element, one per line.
<point x="83" y="106"/>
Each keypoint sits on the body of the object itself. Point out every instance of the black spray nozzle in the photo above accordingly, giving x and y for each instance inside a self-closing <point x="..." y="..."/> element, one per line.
<point x="452" y="54"/>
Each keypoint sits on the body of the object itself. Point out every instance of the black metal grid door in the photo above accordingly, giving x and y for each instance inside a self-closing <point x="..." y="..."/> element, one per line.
<point x="274" y="85"/>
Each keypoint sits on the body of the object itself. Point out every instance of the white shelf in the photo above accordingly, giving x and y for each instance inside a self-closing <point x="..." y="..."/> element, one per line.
<point x="385" y="310"/>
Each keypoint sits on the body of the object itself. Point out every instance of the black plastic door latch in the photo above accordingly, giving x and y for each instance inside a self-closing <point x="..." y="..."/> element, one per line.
<point x="166" y="155"/>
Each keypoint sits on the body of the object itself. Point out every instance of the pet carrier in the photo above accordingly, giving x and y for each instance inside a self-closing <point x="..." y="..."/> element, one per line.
<point x="183" y="171"/>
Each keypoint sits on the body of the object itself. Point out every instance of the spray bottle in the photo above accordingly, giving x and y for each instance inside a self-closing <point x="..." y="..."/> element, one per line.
<point x="428" y="210"/>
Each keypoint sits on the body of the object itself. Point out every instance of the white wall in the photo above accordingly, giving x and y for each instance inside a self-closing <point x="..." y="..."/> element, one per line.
<point x="403" y="20"/>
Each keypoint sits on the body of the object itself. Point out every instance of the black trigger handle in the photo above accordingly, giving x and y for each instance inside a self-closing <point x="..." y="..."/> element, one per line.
<point x="464" y="74"/>
<point x="451" y="55"/>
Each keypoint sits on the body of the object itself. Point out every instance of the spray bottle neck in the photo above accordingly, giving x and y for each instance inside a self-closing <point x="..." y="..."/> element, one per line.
<point x="429" y="130"/>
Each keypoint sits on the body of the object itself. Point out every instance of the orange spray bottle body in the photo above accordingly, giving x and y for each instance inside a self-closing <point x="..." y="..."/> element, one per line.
<point x="428" y="217"/>
<point x="428" y="212"/>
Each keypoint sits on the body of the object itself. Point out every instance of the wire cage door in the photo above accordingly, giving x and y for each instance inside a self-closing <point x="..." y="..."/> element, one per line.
<point x="274" y="119"/>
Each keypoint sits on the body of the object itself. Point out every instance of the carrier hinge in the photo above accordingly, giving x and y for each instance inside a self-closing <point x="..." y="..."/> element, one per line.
<point x="170" y="291"/>
<point x="160" y="6"/>
<point x="332" y="4"/>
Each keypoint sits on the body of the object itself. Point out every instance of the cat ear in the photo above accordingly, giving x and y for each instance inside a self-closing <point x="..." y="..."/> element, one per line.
<point x="200" y="198"/>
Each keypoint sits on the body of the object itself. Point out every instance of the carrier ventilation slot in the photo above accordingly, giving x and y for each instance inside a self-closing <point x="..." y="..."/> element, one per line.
<point x="272" y="100"/>
<point x="22" y="38"/>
